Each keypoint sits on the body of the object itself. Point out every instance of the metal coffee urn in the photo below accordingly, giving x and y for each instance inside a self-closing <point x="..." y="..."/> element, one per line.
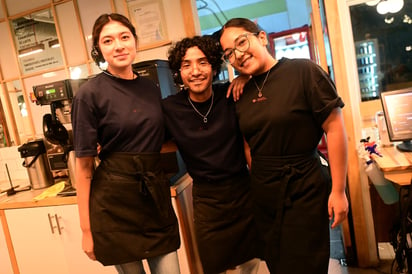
<point x="35" y="160"/>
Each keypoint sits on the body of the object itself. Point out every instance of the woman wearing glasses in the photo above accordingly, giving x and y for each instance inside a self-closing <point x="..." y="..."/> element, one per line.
<point x="285" y="109"/>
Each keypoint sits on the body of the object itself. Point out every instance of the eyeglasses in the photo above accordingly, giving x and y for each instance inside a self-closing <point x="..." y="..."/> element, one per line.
<point x="201" y="64"/>
<point x="242" y="44"/>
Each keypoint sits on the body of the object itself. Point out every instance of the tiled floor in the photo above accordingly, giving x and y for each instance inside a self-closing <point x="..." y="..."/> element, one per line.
<point x="336" y="268"/>
<point x="384" y="267"/>
<point x="336" y="244"/>
<point x="386" y="255"/>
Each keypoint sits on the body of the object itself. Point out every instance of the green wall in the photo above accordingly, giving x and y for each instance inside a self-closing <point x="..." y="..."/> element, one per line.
<point x="260" y="9"/>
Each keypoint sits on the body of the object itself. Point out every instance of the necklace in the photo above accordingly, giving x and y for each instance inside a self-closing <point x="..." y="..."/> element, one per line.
<point x="118" y="77"/>
<point x="264" y="82"/>
<point x="198" y="112"/>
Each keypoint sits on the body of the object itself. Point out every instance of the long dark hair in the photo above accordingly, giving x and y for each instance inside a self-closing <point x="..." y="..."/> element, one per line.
<point x="100" y="22"/>
<point x="244" y="23"/>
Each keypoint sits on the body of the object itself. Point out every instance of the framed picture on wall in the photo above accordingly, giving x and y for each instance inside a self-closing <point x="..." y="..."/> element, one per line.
<point x="36" y="40"/>
<point x="149" y="21"/>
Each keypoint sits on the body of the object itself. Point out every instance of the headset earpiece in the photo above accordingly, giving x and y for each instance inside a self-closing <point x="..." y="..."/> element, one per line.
<point x="97" y="55"/>
<point x="95" y="52"/>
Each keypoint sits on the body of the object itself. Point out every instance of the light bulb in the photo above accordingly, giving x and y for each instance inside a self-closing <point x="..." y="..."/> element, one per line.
<point x="75" y="73"/>
<point x="383" y="7"/>
<point x="389" y="20"/>
<point x="395" y="6"/>
<point x="372" y="2"/>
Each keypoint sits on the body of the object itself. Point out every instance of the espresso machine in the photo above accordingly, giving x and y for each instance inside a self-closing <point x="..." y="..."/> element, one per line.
<point x="57" y="128"/>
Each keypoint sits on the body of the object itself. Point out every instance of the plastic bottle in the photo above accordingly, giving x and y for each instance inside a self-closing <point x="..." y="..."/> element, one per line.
<point x="383" y="131"/>
<point x="385" y="188"/>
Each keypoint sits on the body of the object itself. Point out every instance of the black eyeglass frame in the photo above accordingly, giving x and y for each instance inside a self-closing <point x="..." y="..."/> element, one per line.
<point x="233" y="50"/>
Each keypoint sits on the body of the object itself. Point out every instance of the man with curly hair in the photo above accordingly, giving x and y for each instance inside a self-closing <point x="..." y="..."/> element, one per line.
<point x="203" y="124"/>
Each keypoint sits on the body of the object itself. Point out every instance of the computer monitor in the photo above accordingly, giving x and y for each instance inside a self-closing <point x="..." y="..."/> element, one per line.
<point x="397" y="109"/>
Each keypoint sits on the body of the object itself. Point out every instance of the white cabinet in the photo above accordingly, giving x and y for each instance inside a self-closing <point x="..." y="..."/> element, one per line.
<point x="5" y="262"/>
<point x="48" y="240"/>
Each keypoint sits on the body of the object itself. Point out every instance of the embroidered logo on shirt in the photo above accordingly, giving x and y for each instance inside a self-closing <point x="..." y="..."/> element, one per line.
<point x="259" y="99"/>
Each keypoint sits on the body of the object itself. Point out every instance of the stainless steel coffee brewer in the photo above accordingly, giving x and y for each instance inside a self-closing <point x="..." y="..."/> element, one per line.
<point x="57" y="128"/>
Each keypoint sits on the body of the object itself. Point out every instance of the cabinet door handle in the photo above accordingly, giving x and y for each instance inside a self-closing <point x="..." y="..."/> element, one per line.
<point x="59" y="228"/>
<point x="51" y="223"/>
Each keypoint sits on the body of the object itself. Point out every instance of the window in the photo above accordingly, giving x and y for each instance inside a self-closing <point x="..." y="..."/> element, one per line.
<point x="383" y="47"/>
<point x="37" y="44"/>
<point x="273" y="16"/>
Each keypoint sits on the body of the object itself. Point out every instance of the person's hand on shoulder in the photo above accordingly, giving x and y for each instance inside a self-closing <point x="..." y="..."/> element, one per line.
<point x="236" y="87"/>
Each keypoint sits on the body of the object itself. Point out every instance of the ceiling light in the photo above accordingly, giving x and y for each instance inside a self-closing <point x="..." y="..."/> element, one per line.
<point x="389" y="20"/>
<point x="383" y="7"/>
<point x="389" y="6"/>
<point x="31" y="50"/>
<point x="395" y="6"/>
<point x="75" y="73"/>
<point x="49" y="74"/>
<point x="54" y="43"/>
<point x="295" y="36"/>
<point x="372" y="2"/>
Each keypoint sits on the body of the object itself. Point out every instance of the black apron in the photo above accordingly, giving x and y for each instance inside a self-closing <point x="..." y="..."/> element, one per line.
<point x="291" y="194"/>
<point x="224" y="224"/>
<point x="131" y="215"/>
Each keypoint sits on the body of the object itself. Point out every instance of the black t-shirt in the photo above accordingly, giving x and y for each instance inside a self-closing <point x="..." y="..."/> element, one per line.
<point x="298" y="96"/>
<point x="121" y="115"/>
<point x="212" y="150"/>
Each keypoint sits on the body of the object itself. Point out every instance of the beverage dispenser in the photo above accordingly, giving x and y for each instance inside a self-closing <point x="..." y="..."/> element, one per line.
<point x="35" y="160"/>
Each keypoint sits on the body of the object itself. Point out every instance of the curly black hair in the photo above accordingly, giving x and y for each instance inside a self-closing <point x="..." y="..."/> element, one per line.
<point x="209" y="45"/>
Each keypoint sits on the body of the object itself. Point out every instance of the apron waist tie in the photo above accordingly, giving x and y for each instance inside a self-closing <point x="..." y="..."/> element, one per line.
<point x="287" y="173"/>
<point x="285" y="168"/>
<point x="143" y="168"/>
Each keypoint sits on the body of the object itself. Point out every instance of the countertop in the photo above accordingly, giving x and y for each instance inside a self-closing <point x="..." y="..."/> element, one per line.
<point x="395" y="165"/>
<point x="393" y="159"/>
<point x="26" y="198"/>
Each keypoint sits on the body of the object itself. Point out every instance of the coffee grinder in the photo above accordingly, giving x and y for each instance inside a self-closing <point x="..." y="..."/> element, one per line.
<point x="57" y="128"/>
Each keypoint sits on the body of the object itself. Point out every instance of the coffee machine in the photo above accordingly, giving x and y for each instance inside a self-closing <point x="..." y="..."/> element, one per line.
<point x="57" y="128"/>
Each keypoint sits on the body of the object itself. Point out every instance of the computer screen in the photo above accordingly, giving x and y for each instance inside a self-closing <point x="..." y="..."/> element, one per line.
<point x="397" y="109"/>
